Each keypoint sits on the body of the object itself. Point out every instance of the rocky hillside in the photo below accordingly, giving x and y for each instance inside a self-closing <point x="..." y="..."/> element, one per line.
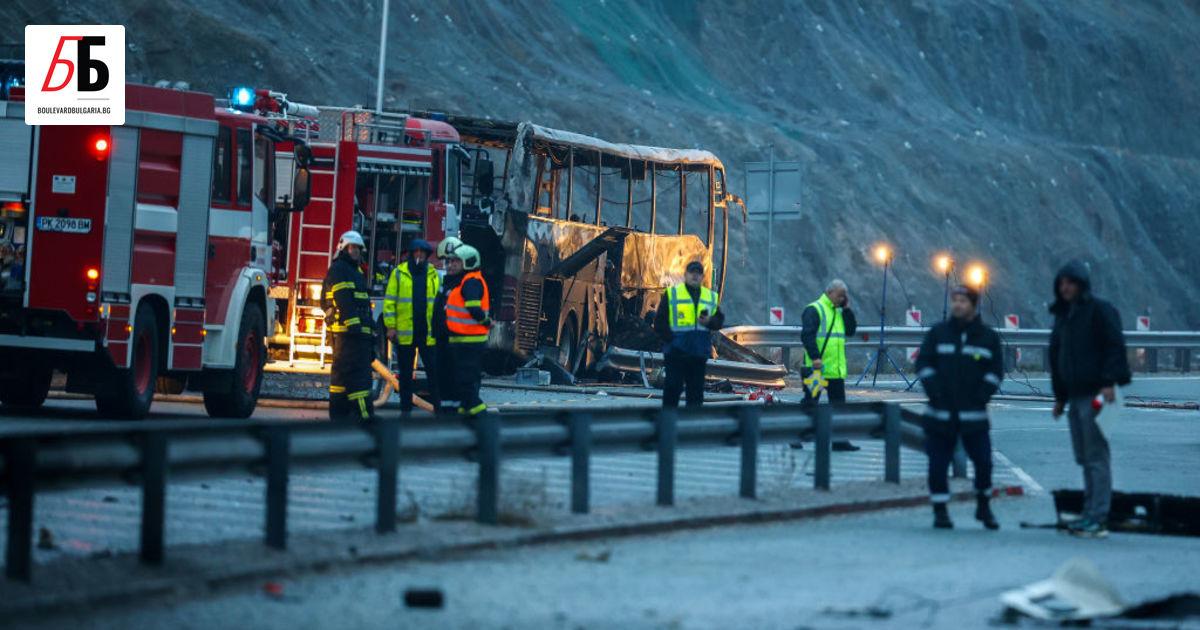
<point x="1017" y="133"/>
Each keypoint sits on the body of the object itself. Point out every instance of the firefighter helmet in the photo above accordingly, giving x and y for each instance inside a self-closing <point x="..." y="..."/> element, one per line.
<point x="469" y="255"/>
<point x="350" y="238"/>
<point x="447" y="246"/>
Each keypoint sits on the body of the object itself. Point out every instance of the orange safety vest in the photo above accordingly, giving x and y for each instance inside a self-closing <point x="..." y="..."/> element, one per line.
<point x="463" y="328"/>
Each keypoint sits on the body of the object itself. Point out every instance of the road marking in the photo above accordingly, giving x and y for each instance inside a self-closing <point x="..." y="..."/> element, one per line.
<point x="1027" y="479"/>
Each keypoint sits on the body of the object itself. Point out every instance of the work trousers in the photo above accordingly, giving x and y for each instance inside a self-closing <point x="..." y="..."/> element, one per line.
<point x="468" y="372"/>
<point x="406" y="358"/>
<point x="683" y="371"/>
<point x="350" y="378"/>
<point x="835" y="393"/>
<point x="939" y="446"/>
<point x="1091" y="452"/>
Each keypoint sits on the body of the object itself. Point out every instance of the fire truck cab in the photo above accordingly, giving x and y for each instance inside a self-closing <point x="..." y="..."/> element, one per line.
<point x="138" y="257"/>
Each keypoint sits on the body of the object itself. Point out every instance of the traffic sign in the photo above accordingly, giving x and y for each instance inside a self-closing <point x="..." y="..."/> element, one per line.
<point x="1012" y="322"/>
<point x="1143" y="323"/>
<point x="776" y="315"/>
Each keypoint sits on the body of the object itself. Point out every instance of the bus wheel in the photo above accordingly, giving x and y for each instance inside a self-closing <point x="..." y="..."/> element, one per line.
<point x="28" y="389"/>
<point x="133" y="389"/>
<point x="568" y="345"/>
<point x="240" y="398"/>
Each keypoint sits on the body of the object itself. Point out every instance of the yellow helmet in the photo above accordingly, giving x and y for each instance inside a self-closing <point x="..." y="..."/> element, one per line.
<point x="469" y="255"/>
<point x="447" y="246"/>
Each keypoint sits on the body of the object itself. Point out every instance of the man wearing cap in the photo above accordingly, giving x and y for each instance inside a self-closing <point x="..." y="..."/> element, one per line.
<point x="686" y="314"/>
<point x="960" y="366"/>
<point x="408" y="317"/>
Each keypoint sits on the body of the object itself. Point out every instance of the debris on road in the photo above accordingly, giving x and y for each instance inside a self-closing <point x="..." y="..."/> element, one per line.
<point x="424" y="597"/>
<point x="602" y="556"/>
<point x="46" y="540"/>
<point x="1139" y="512"/>
<point x="1075" y="592"/>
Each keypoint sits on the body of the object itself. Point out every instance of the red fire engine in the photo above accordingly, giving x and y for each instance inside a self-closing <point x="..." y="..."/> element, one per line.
<point x="140" y="255"/>
<point x="392" y="177"/>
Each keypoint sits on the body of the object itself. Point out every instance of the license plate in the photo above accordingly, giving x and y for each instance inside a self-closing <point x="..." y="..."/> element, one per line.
<point x="64" y="224"/>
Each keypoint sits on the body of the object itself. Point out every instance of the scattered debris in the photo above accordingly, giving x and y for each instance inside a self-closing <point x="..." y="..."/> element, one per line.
<point x="109" y="499"/>
<point x="349" y="518"/>
<point x="603" y="556"/>
<point x="274" y="589"/>
<point x="1139" y="512"/>
<point x="1175" y="607"/>
<point x="424" y="597"/>
<point x="1076" y="591"/>
<point x="872" y="612"/>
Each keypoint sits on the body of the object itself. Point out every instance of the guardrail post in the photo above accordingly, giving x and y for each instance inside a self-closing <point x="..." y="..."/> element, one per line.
<point x="824" y="444"/>
<point x="958" y="462"/>
<point x="487" y="431"/>
<point x="154" y="495"/>
<point x="21" y="462"/>
<point x="1185" y="360"/>
<point x="1046" y="359"/>
<point x="891" y="442"/>
<point x="387" y="442"/>
<point x="580" y="426"/>
<point x="667" y="419"/>
<point x="785" y="355"/>
<point x="748" y="420"/>
<point x="1152" y="360"/>
<point x="278" y="446"/>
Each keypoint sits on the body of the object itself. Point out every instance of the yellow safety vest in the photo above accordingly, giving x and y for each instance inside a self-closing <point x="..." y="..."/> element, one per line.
<point x="398" y="303"/>
<point x="684" y="312"/>
<point x="834" y="357"/>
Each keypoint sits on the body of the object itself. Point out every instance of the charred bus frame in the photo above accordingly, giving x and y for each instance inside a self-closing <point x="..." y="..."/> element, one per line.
<point x="580" y="236"/>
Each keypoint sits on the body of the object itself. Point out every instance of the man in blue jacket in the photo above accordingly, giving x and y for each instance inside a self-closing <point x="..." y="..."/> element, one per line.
<point x="687" y="313"/>
<point x="960" y="365"/>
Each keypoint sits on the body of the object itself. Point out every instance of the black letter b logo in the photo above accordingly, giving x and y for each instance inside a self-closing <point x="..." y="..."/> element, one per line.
<point x="87" y="64"/>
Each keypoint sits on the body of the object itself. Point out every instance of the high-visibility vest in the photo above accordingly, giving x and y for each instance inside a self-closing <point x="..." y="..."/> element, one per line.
<point x="685" y="312"/>
<point x="398" y="303"/>
<point x="463" y="328"/>
<point x="833" y="359"/>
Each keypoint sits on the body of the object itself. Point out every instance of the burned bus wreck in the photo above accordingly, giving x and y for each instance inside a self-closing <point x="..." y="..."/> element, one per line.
<point x="580" y="236"/>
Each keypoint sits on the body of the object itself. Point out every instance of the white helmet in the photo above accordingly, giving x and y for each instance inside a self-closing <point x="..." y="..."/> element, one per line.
<point x="447" y="246"/>
<point x="351" y="238"/>
<point x="469" y="255"/>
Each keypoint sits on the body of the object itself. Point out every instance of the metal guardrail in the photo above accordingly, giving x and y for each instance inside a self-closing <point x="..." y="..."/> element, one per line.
<point x="789" y="336"/>
<point x="146" y="453"/>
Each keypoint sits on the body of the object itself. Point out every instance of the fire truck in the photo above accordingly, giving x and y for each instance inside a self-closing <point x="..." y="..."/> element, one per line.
<point x="390" y="176"/>
<point x="139" y="256"/>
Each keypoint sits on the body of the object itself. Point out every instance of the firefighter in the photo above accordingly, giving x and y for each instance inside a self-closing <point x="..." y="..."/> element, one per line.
<point x="960" y="366"/>
<point x="408" y="317"/>
<point x="445" y="359"/>
<point x="686" y="314"/>
<point x="348" y="317"/>
<point x="467" y="323"/>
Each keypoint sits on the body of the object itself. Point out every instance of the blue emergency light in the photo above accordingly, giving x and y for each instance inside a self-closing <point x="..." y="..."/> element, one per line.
<point x="242" y="98"/>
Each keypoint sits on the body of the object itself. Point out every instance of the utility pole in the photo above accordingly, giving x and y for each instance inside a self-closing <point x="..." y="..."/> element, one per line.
<point x="382" y="54"/>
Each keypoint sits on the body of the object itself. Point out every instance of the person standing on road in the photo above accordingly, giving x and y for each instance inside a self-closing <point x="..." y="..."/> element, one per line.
<point x="960" y="365"/>
<point x="1087" y="360"/>
<point x="825" y="324"/>
<point x="468" y="321"/>
<point x="687" y="313"/>
<point x="408" y="316"/>
<point x="441" y="335"/>
<point x="347" y="309"/>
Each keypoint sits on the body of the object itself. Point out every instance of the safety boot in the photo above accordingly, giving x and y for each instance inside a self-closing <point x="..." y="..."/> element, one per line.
<point x="983" y="513"/>
<point x="941" y="518"/>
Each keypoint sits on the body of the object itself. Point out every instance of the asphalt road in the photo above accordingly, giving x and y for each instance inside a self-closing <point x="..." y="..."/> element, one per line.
<point x="807" y="574"/>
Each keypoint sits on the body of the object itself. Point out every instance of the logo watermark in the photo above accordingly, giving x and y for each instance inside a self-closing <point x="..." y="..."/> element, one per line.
<point x="75" y="75"/>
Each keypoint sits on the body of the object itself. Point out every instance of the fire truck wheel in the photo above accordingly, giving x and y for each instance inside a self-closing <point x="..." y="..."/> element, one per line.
<point x="26" y="390"/>
<point x="241" y="397"/>
<point x="134" y="387"/>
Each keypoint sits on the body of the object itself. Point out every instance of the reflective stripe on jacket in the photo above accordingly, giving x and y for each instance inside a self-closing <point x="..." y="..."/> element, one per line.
<point x="687" y="334"/>
<point x="398" y="303"/>
<point x="344" y="299"/>
<point x="462" y="326"/>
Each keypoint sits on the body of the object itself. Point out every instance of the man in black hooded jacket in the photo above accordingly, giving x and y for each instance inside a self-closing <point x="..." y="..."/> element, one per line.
<point x="1087" y="359"/>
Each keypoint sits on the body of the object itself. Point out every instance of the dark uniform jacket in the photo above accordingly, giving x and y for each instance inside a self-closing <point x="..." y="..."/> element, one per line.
<point x="344" y="298"/>
<point x="960" y="364"/>
<point x="1087" y="347"/>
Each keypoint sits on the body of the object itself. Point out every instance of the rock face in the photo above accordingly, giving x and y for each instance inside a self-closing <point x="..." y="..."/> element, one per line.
<point x="1014" y="133"/>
